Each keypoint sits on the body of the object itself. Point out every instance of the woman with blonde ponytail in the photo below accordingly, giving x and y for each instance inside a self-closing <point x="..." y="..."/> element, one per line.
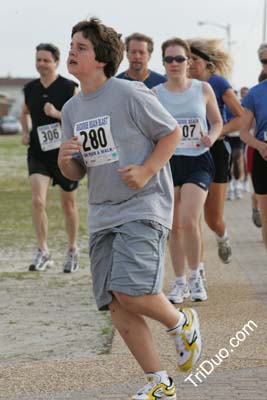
<point x="210" y="62"/>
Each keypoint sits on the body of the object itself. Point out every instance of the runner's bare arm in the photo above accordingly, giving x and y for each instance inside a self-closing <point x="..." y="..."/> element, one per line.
<point x="25" y="123"/>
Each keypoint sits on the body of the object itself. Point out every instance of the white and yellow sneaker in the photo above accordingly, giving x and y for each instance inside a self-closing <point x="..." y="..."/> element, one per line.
<point x="187" y="339"/>
<point x="155" y="389"/>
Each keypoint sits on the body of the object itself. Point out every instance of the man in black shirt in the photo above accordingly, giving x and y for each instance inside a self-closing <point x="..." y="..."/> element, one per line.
<point x="41" y="123"/>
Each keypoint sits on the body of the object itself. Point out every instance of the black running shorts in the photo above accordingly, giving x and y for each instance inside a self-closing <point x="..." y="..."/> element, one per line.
<point x="50" y="168"/>
<point x="259" y="173"/>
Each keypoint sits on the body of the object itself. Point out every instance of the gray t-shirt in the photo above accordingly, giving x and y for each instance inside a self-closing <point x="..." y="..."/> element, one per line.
<point x="121" y="121"/>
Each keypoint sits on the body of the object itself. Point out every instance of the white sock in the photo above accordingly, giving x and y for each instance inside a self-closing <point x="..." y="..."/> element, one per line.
<point x="175" y="331"/>
<point x="223" y="237"/>
<point x="180" y="323"/>
<point x="201" y="265"/>
<point x="181" y="280"/>
<point x="163" y="376"/>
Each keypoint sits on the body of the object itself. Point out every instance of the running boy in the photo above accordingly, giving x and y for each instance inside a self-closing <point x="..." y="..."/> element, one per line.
<point x="118" y="134"/>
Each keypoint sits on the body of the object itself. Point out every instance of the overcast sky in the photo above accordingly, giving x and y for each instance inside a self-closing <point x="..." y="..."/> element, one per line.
<point x="25" y="23"/>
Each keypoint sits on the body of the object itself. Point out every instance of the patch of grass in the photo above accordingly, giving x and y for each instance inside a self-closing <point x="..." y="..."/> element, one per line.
<point x="107" y="332"/>
<point x="15" y="199"/>
<point x="19" y="276"/>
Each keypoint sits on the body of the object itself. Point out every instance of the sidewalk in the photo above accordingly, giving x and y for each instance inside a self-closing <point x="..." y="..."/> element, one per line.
<point x="237" y="294"/>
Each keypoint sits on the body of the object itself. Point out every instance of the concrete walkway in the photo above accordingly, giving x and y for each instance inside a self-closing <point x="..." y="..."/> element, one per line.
<point x="237" y="296"/>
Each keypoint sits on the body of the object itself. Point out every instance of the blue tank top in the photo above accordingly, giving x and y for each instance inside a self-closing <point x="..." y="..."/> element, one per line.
<point x="189" y="109"/>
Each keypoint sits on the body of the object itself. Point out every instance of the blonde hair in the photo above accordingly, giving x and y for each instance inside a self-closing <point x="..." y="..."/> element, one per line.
<point x="220" y="61"/>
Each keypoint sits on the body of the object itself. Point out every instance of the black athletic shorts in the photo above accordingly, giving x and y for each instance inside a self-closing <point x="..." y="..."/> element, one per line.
<point x="259" y="173"/>
<point x="188" y="169"/>
<point x="50" y="168"/>
<point x="221" y="154"/>
<point x="235" y="142"/>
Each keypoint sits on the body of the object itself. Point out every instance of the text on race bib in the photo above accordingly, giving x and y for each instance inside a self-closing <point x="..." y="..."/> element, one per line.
<point x="98" y="147"/>
<point x="191" y="131"/>
<point x="49" y="136"/>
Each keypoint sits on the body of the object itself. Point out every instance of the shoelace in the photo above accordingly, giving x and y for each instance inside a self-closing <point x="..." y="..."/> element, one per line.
<point x="176" y="287"/>
<point x="180" y="344"/>
<point x="72" y="254"/>
<point x="38" y="257"/>
<point x="224" y="247"/>
<point x="197" y="285"/>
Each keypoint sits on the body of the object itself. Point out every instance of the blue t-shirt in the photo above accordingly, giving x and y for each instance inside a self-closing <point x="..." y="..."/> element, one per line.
<point x="228" y="113"/>
<point x="256" y="102"/>
<point x="152" y="80"/>
<point x="220" y="85"/>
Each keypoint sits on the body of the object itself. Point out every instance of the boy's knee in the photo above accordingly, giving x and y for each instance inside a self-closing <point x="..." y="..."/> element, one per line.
<point x="124" y="299"/>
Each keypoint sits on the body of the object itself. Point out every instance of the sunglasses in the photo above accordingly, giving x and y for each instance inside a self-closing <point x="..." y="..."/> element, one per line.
<point x="178" y="59"/>
<point x="264" y="61"/>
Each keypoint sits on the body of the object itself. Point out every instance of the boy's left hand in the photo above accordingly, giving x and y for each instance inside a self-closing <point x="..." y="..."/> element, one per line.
<point x="134" y="176"/>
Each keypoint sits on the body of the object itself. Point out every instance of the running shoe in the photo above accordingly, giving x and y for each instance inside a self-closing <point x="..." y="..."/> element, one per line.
<point x="42" y="260"/>
<point x="256" y="217"/>
<point x="246" y="186"/>
<point x="238" y="193"/>
<point x="72" y="263"/>
<point x="230" y="195"/>
<point x="230" y="191"/>
<point x="238" y="187"/>
<point x="224" y="250"/>
<point x="178" y="293"/>
<point x="197" y="289"/>
<point x="154" y="389"/>
<point x="187" y="340"/>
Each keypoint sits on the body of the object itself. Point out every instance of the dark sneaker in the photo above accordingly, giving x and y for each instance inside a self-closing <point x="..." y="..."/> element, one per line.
<point x="41" y="261"/>
<point x="224" y="250"/>
<point x="256" y="217"/>
<point x="72" y="263"/>
<point x="154" y="389"/>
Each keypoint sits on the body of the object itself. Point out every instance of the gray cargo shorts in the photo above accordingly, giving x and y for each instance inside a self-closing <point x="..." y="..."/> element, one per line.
<point x="129" y="259"/>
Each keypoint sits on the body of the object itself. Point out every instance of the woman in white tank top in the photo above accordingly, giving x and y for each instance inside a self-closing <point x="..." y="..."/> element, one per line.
<point x="192" y="103"/>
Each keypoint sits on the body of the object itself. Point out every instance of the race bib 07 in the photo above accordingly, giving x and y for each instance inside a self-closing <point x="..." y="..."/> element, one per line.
<point x="97" y="142"/>
<point x="49" y="136"/>
<point x="191" y="131"/>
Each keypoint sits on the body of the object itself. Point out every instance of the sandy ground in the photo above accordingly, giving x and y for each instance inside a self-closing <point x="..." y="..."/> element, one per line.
<point x="48" y="315"/>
